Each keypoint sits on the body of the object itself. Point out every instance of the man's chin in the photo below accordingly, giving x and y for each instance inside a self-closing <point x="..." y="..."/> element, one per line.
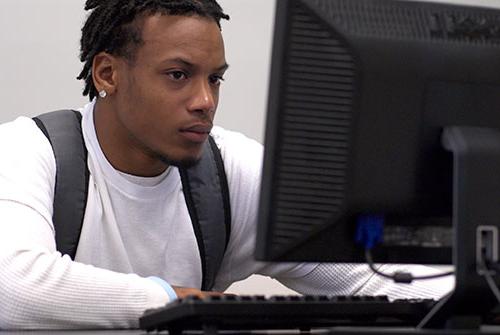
<point x="184" y="163"/>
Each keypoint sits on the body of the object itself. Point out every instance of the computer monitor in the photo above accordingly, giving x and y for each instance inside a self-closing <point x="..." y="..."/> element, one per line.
<point x="383" y="121"/>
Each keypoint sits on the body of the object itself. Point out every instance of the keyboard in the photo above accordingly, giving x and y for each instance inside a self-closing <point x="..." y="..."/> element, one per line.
<point x="282" y="312"/>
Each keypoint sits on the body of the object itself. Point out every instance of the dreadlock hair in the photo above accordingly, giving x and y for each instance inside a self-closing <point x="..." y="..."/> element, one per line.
<point x="111" y="27"/>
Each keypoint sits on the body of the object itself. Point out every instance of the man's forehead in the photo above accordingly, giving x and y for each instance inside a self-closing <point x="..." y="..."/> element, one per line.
<point x="187" y="38"/>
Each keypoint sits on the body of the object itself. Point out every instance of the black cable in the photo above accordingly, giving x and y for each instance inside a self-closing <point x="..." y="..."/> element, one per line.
<point x="401" y="277"/>
<point x="487" y="269"/>
<point x="491" y="266"/>
<point x="491" y="283"/>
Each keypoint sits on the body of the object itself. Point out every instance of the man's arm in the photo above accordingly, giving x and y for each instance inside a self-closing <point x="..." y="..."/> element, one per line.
<point x="40" y="289"/>
<point x="358" y="279"/>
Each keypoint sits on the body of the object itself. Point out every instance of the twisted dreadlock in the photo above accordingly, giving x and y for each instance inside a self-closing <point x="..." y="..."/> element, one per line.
<point x="111" y="27"/>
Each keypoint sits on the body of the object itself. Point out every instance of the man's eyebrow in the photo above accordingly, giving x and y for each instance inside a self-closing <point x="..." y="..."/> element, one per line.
<point x="188" y="64"/>
<point x="222" y="68"/>
<point x="178" y="60"/>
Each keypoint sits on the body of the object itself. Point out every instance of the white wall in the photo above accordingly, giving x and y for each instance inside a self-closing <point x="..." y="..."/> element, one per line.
<point x="39" y="63"/>
<point x="39" y="58"/>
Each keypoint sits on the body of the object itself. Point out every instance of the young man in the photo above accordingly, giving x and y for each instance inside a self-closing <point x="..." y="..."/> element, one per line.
<point x="152" y="70"/>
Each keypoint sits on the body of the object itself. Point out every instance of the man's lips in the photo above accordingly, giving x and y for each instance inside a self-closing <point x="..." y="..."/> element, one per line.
<point x="196" y="133"/>
<point x="198" y="128"/>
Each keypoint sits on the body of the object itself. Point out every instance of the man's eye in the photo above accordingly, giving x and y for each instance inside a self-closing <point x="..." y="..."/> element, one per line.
<point x="216" y="80"/>
<point x="177" y="75"/>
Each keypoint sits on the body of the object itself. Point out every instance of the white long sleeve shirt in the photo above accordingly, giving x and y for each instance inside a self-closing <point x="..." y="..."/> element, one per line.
<point x="133" y="228"/>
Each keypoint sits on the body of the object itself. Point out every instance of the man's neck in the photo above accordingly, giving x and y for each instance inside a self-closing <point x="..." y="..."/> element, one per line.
<point x="122" y="150"/>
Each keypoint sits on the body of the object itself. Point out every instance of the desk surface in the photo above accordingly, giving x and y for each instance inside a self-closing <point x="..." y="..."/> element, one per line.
<point x="76" y="332"/>
<point x="333" y="331"/>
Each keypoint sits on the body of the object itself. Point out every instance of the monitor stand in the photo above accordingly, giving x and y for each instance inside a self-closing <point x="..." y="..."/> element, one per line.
<point x="476" y="222"/>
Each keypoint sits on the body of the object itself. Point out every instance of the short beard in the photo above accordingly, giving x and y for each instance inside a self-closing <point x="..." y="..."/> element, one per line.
<point x="182" y="164"/>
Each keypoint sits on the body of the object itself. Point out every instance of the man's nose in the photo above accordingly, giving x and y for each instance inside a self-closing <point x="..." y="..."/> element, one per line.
<point x="204" y="98"/>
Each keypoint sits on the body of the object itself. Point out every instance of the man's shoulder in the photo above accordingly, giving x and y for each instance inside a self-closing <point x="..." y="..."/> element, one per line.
<point x="28" y="164"/>
<point x="233" y="143"/>
<point x="22" y="132"/>
<point x="22" y="141"/>
<point x="242" y="158"/>
<point x="21" y="122"/>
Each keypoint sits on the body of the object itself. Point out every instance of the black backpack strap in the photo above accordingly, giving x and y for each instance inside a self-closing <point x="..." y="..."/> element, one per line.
<point x="64" y="131"/>
<point x="210" y="215"/>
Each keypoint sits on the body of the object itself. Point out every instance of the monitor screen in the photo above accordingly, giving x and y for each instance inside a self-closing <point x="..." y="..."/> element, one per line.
<point x="361" y="92"/>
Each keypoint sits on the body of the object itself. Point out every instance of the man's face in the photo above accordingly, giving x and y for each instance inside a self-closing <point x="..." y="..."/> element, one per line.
<point x="167" y="96"/>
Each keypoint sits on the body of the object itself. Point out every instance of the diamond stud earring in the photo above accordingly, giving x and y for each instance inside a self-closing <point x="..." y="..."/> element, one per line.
<point x="103" y="93"/>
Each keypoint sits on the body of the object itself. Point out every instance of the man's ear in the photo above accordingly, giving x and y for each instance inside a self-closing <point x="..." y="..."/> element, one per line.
<point x="104" y="73"/>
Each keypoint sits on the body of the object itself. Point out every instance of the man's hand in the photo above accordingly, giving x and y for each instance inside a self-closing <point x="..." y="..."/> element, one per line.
<point x="183" y="292"/>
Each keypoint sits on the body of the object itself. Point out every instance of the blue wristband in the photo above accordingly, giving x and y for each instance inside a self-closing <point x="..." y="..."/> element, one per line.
<point x="166" y="286"/>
